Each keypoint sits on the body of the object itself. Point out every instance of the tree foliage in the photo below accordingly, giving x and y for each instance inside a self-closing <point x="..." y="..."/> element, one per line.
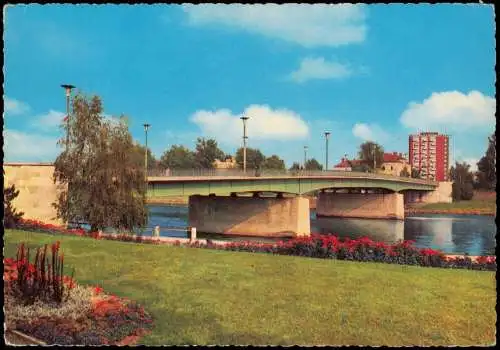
<point x="370" y="150"/>
<point x="102" y="169"/>
<point x="11" y="215"/>
<point x="415" y="173"/>
<point x="313" y="164"/>
<point x="178" y="157"/>
<point x="139" y="155"/>
<point x="361" y="167"/>
<point x="487" y="173"/>
<point x="255" y="158"/>
<point x="207" y="151"/>
<point x="404" y="173"/>
<point x="274" y="163"/>
<point x="295" y="166"/>
<point x="462" y="177"/>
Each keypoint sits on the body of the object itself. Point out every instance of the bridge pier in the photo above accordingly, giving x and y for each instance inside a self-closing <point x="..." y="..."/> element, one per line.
<point x="250" y="216"/>
<point x="360" y="205"/>
<point x="441" y="194"/>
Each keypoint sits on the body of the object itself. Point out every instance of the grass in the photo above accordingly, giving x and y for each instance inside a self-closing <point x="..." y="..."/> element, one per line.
<point x="199" y="296"/>
<point x="487" y="206"/>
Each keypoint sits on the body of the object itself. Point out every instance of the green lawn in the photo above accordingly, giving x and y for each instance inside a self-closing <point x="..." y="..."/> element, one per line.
<point x="199" y="296"/>
<point x="480" y="205"/>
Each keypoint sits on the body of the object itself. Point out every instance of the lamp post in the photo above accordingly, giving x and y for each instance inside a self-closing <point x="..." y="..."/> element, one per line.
<point x="68" y="88"/>
<point x="305" y="156"/>
<point x="146" y="127"/>
<point x="244" y="118"/>
<point x="327" y="136"/>
<point x="374" y="160"/>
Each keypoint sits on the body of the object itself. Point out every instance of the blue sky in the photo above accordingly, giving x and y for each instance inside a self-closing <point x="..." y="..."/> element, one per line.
<point x="376" y="72"/>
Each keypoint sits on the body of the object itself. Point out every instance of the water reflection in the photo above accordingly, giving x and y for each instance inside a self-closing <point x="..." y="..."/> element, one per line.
<point x="471" y="234"/>
<point x="378" y="230"/>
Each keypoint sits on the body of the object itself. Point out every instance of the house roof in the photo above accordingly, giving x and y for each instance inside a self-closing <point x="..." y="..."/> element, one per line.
<point x="393" y="157"/>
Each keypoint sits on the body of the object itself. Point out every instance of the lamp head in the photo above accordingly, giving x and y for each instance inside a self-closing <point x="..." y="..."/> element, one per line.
<point x="68" y="88"/>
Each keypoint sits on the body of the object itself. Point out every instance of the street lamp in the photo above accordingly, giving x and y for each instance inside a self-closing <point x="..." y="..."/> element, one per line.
<point x="305" y="156"/>
<point x="68" y="88"/>
<point x="146" y="127"/>
<point x="327" y="136"/>
<point x="244" y="118"/>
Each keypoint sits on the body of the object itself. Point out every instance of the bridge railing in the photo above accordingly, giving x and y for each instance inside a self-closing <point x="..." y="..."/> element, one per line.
<point x="276" y="173"/>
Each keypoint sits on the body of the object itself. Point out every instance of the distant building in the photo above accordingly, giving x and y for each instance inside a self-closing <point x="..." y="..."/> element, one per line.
<point x="429" y="154"/>
<point x="344" y="165"/>
<point x="394" y="163"/>
<point x="347" y="165"/>
<point x="228" y="163"/>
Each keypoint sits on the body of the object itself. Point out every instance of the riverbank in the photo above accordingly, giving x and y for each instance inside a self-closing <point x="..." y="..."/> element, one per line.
<point x="203" y="297"/>
<point x="203" y="241"/>
<point x="472" y="207"/>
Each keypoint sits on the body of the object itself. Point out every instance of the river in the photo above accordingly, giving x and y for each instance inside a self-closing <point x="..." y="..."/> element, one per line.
<point x="453" y="234"/>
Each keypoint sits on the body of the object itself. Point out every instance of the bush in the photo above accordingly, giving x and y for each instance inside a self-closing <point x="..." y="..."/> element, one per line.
<point x="11" y="216"/>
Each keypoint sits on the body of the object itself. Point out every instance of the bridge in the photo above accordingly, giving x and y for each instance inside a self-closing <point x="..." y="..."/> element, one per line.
<point x="219" y="200"/>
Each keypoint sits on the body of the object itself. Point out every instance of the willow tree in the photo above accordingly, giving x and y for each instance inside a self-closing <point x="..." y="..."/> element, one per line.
<point x="103" y="176"/>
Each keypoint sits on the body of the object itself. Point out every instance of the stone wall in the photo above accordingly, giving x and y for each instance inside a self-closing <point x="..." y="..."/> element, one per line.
<point x="37" y="190"/>
<point x="270" y="217"/>
<point x="360" y="205"/>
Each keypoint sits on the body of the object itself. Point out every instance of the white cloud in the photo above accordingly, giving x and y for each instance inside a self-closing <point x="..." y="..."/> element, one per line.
<point x="264" y="124"/>
<point x="15" y="107"/>
<point x="368" y="132"/>
<point x="450" y="111"/>
<point x="471" y="161"/>
<point x="49" y="121"/>
<point x="317" y="68"/>
<point x="26" y="147"/>
<point x="304" y="24"/>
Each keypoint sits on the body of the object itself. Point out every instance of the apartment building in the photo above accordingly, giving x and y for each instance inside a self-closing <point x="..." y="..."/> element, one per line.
<point x="429" y="153"/>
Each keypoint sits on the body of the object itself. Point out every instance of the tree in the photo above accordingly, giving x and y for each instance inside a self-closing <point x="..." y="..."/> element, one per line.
<point x="487" y="174"/>
<point x="404" y="173"/>
<point x="11" y="215"/>
<point x="207" y="151"/>
<point x="273" y="163"/>
<point x="139" y="152"/>
<point x="361" y="167"/>
<point x="255" y="158"/>
<point x="370" y="150"/>
<point x="313" y="164"/>
<point x="295" y="166"/>
<point x="415" y="173"/>
<point x="101" y="170"/>
<point x="462" y="177"/>
<point x="178" y="157"/>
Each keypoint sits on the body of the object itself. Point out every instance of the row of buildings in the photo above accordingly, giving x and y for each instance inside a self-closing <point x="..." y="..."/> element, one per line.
<point x="428" y="153"/>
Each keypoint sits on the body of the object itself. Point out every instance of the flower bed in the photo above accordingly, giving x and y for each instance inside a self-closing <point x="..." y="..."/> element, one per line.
<point x="85" y="316"/>
<point x="315" y="246"/>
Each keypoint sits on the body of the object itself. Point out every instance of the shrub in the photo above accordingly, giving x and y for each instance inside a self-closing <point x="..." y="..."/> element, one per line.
<point x="11" y="216"/>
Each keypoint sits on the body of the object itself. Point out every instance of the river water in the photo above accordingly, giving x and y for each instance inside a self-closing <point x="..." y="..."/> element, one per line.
<point x="453" y="234"/>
